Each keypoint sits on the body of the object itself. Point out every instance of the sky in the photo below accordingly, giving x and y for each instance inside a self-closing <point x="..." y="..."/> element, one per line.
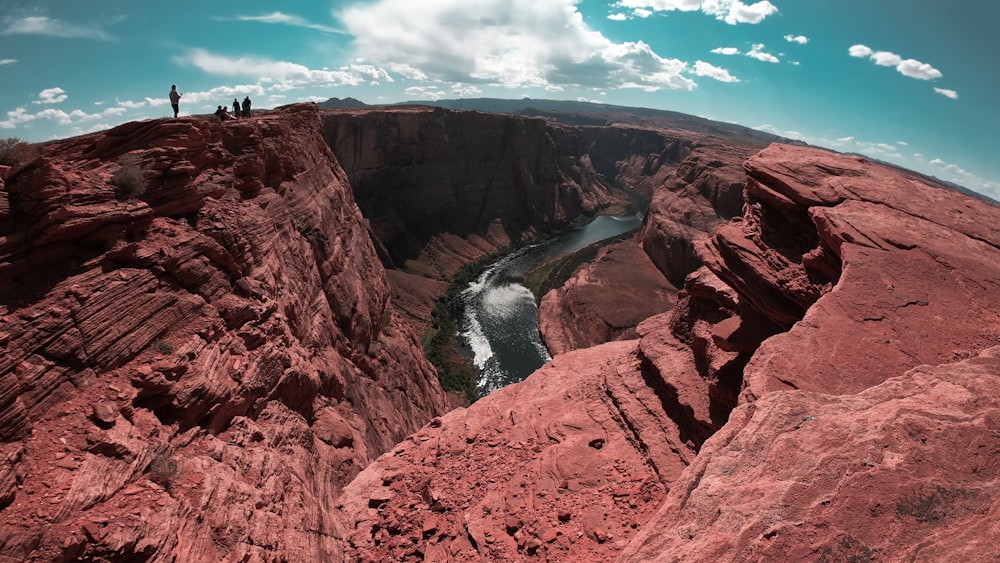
<point x="912" y="82"/>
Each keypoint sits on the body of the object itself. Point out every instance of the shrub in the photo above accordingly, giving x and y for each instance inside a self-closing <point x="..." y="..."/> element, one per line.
<point x="130" y="178"/>
<point x="163" y="468"/>
<point x="15" y="152"/>
<point x="163" y="346"/>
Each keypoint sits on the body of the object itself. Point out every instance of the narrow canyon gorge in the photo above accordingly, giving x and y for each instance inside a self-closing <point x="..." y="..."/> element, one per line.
<point x="796" y="357"/>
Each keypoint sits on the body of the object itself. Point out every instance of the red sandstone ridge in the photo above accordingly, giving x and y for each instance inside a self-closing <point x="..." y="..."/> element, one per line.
<point x="872" y="270"/>
<point x="841" y="277"/>
<point x="903" y="471"/>
<point x="193" y="374"/>
<point x="604" y="300"/>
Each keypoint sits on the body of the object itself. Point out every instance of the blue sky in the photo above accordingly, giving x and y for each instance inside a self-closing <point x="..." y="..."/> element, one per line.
<point x="914" y="82"/>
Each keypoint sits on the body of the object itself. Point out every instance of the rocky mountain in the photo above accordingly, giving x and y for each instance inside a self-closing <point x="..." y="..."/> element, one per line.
<point x="221" y="360"/>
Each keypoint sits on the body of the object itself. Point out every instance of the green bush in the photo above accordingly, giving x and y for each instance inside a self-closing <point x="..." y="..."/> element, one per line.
<point x="130" y="178"/>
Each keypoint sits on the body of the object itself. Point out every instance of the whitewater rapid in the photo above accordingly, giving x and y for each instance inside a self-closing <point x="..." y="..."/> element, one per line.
<point x="500" y="323"/>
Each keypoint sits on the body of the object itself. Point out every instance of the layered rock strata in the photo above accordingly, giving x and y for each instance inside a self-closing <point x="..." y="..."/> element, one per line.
<point x="194" y="372"/>
<point x="831" y="253"/>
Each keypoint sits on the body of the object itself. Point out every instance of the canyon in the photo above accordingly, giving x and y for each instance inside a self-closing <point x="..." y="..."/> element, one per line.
<point x="797" y="356"/>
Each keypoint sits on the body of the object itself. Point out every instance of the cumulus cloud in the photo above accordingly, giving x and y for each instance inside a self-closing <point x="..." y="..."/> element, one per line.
<point x="800" y="39"/>
<point x="958" y="174"/>
<point x="702" y="68"/>
<point x="285" y="75"/>
<point x="7" y="61"/>
<point x="947" y="93"/>
<point x="51" y="96"/>
<point x="618" y="17"/>
<point x="907" y="67"/>
<point x="860" y="51"/>
<point x="510" y="44"/>
<point x="21" y="116"/>
<point x="726" y="51"/>
<point x="729" y="11"/>
<point x="288" y="19"/>
<point x="757" y="52"/>
<point x="43" y="25"/>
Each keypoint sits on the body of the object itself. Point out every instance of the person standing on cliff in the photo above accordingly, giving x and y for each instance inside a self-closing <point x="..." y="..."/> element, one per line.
<point x="246" y="106"/>
<point x="236" y="107"/>
<point x="175" y="99"/>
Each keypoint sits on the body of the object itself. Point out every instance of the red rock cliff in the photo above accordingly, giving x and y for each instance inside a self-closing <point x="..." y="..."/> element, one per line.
<point x="418" y="172"/>
<point x="193" y="374"/>
<point x="841" y="277"/>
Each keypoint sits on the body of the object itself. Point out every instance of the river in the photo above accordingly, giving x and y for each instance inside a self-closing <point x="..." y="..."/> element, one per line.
<point x="500" y="327"/>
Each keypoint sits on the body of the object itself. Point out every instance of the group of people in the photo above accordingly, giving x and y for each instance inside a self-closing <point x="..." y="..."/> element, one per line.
<point x="222" y="112"/>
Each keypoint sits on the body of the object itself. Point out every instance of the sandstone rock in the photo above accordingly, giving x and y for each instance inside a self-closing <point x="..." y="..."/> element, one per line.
<point x="238" y="313"/>
<point x="604" y="300"/>
<point x="919" y="270"/>
<point x="584" y="432"/>
<point x="904" y="470"/>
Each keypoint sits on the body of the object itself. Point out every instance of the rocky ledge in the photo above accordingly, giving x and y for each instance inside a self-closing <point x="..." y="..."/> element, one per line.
<point x="818" y="316"/>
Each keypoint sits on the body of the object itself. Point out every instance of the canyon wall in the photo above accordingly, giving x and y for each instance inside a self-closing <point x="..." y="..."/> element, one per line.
<point x="210" y="369"/>
<point x="817" y="316"/>
<point x="191" y="371"/>
<point x="420" y="172"/>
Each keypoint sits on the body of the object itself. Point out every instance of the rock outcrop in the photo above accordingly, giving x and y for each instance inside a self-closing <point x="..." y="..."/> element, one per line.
<point x="193" y="373"/>
<point x="604" y="300"/>
<point x="419" y="172"/>
<point x="903" y="471"/>
<point x="209" y="369"/>
<point x="796" y="294"/>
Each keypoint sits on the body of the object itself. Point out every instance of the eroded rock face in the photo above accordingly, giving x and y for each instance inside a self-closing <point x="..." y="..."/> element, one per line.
<point x="418" y="172"/>
<point x="194" y="373"/>
<point x="856" y="257"/>
<point x="604" y="300"/>
<point x="565" y="465"/>
<point x="903" y="471"/>
<point x="791" y="295"/>
<point x="690" y="201"/>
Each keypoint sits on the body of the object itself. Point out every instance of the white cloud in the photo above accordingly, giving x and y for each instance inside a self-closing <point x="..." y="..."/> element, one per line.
<point x="7" y="61"/>
<point x="43" y="25"/>
<point x="902" y="143"/>
<point x="618" y="17"/>
<point x="956" y="173"/>
<point x="425" y="92"/>
<point x="51" y="96"/>
<point x="642" y="13"/>
<point x="948" y="93"/>
<point x="790" y="133"/>
<point x="885" y="58"/>
<point x="860" y="51"/>
<point x="758" y="53"/>
<point x="147" y="102"/>
<point x="726" y="51"/>
<point x="21" y="116"/>
<point x="800" y="39"/>
<point x="729" y="11"/>
<point x="465" y="90"/>
<point x="510" y="44"/>
<point x="285" y="75"/>
<point x="702" y="68"/>
<point x="918" y="70"/>
<point x="288" y="19"/>
<point x="907" y="67"/>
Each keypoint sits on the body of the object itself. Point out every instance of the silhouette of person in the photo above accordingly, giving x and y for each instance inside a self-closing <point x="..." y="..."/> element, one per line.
<point x="246" y="106"/>
<point x="175" y="99"/>
<point x="236" y="107"/>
